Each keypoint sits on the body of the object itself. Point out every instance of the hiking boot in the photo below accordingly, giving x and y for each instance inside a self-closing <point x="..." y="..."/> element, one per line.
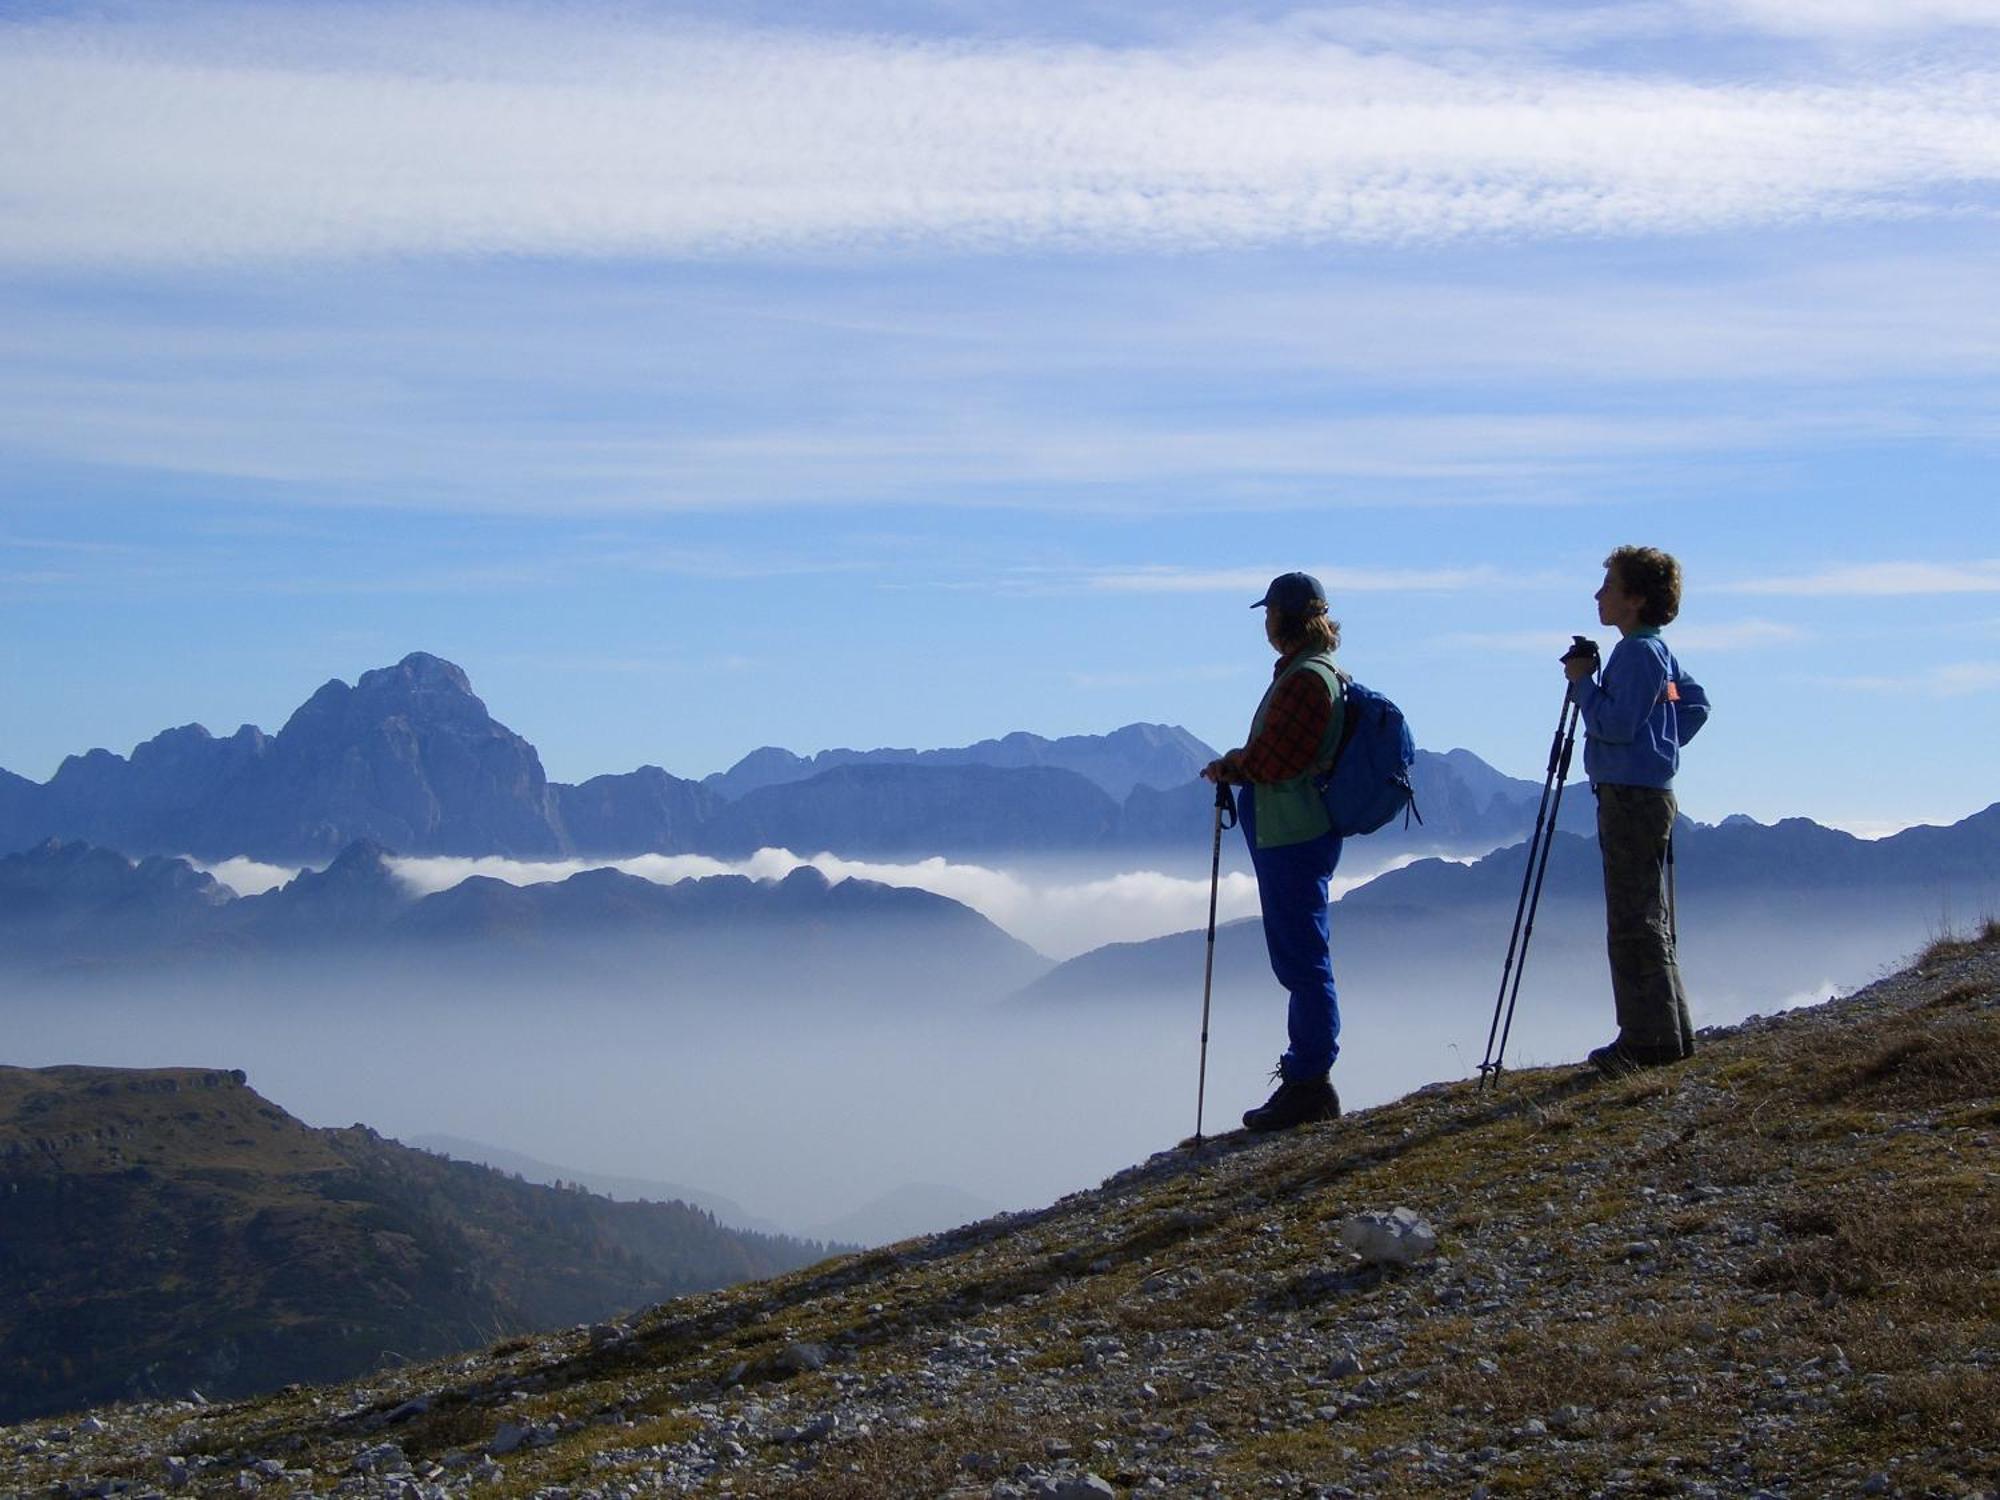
<point x="1295" y="1104"/>
<point x="1619" y="1058"/>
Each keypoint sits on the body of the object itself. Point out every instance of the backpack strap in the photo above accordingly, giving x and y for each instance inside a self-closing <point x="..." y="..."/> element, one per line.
<point x="1340" y="726"/>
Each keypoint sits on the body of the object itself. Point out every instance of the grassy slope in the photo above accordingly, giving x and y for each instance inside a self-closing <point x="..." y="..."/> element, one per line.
<point x="1594" y="1252"/>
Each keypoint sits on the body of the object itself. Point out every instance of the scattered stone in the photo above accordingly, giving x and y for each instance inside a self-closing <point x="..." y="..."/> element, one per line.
<point x="801" y="1359"/>
<point x="1571" y="1419"/>
<point x="383" y="1458"/>
<point x="508" y="1437"/>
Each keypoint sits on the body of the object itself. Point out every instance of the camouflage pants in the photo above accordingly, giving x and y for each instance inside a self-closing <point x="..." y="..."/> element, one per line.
<point x="1634" y="824"/>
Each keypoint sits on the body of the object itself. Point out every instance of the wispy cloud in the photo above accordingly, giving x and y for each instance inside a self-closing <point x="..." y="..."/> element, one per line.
<point x="1847" y="19"/>
<point x="1882" y="579"/>
<point x="1945" y="680"/>
<point x="579" y="132"/>
<point x="1251" y="582"/>
<point x="1568" y="29"/>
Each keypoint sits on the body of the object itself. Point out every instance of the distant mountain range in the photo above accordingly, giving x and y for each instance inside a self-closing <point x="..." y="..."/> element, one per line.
<point x="70" y="907"/>
<point x="1765" y="911"/>
<point x="1155" y="755"/>
<point x="410" y="759"/>
<point x="169" y="1230"/>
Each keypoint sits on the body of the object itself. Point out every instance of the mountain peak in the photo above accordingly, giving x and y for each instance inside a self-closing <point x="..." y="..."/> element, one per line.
<point x="364" y="858"/>
<point x="419" y="670"/>
<point x="357" y="891"/>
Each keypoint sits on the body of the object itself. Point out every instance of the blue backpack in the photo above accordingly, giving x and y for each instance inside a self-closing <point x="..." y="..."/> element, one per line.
<point x="1368" y="782"/>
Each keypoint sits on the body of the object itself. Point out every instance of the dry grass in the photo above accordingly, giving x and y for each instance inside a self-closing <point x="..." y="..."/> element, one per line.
<point x="1971" y="992"/>
<point x="1535" y="1374"/>
<point x="1928" y="1065"/>
<point x="1886" y="1241"/>
<point x="1948" y="1406"/>
<point x="1950" y="945"/>
<point x="911" y="1463"/>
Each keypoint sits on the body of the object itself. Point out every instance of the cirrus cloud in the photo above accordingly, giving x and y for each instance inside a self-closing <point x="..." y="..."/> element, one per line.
<point x="1880" y="580"/>
<point x="457" y="131"/>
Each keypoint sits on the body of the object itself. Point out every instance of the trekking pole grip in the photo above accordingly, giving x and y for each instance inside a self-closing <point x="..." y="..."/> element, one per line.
<point x="1225" y="804"/>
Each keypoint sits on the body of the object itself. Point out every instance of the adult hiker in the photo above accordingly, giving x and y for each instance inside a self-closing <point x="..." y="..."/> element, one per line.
<point x="1637" y="713"/>
<point x="1292" y="845"/>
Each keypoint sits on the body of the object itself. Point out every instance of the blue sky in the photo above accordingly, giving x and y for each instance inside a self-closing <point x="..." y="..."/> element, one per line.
<point x="911" y="373"/>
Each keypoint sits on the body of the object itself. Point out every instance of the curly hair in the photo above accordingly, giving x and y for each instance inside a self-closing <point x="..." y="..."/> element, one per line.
<point x="1309" y="628"/>
<point x="1654" y="576"/>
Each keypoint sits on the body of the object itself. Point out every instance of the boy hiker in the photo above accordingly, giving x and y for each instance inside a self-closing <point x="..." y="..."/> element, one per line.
<point x="1636" y="715"/>
<point x="1292" y="846"/>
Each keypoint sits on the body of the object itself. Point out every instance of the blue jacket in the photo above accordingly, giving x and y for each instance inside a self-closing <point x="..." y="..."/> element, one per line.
<point x="1637" y="713"/>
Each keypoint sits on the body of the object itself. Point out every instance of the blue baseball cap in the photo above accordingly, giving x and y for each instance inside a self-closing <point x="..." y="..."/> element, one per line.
<point x="1291" y="592"/>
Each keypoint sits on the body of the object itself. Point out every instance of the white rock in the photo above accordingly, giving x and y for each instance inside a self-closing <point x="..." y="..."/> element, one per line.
<point x="1397" y="1238"/>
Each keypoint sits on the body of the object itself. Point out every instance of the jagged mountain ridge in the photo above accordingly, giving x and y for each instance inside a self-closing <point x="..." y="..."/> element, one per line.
<point x="1159" y="756"/>
<point x="407" y="756"/>
<point x="170" y="1229"/>
<point x="410" y="758"/>
<point x="1769" y="1269"/>
<point x="69" y="903"/>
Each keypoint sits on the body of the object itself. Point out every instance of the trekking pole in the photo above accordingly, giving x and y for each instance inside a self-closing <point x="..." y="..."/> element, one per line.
<point x="1225" y="817"/>
<point x="1539" y="844"/>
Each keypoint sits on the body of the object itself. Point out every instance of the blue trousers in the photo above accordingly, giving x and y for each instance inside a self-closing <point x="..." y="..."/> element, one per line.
<point x="1291" y="887"/>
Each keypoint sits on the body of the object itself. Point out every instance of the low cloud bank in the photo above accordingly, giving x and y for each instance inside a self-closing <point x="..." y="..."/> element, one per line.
<point x="247" y="877"/>
<point x="1054" y="916"/>
<point x="1059" y="918"/>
